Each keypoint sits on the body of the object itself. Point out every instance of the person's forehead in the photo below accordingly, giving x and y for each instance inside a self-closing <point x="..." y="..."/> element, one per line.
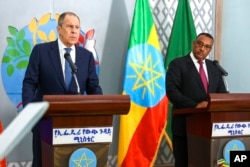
<point x="204" y="37"/>
<point x="71" y="19"/>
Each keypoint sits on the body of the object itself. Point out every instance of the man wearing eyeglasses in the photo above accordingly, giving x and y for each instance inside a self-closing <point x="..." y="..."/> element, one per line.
<point x="189" y="79"/>
<point x="46" y="73"/>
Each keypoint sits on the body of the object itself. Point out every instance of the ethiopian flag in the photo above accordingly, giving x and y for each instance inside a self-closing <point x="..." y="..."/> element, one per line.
<point x="144" y="80"/>
<point x="183" y="33"/>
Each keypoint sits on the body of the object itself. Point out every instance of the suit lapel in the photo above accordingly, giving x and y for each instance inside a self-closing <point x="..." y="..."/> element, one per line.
<point x="195" y="73"/>
<point x="210" y="75"/>
<point x="54" y="56"/>
<point x="79" y="57"/>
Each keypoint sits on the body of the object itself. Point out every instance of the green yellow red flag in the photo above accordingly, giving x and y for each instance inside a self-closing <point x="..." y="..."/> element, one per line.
<point x="144" y="80"/>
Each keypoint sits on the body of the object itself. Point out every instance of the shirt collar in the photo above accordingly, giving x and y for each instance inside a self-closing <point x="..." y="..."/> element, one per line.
<point x="194" y="59"/>
<point x="62" y="46"/>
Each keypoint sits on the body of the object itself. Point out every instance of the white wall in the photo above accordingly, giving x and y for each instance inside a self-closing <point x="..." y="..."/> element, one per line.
<point x="235" y="56"/>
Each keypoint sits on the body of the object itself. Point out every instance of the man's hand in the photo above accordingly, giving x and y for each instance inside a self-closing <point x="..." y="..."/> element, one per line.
<point x="202" y="104"/>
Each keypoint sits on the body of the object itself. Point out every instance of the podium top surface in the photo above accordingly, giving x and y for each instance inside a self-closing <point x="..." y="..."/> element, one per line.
<point x="63" y="105"/>
<point x="229" y="101"/>
<point x="220" y="102"/>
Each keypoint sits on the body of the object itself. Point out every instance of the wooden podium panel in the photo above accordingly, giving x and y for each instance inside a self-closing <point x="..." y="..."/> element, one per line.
<point x="78" y="111"/>
<point x="203" y="148"/>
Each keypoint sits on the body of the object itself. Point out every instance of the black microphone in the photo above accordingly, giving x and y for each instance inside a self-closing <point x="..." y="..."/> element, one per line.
<point x="224" y="72"/>
<point x="72" y="65"/>
<point x="74" y="70"/>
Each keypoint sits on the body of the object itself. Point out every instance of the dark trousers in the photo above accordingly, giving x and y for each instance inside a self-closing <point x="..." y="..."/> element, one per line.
<point x="36" y="144"/>
<point x="180" y="149"/>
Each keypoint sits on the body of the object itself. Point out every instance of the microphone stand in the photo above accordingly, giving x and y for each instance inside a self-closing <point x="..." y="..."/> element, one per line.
<point x="77" y="84"/>
<point x="74" y="70"/>
<point x="225" y="82"/>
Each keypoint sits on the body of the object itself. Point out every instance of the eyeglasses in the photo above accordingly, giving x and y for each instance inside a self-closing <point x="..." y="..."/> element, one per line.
<point x="201" y="44"/>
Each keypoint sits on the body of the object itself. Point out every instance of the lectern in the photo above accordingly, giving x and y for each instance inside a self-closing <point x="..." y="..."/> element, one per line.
<point x="73" y="122"/>
<point x="226" y="118"/>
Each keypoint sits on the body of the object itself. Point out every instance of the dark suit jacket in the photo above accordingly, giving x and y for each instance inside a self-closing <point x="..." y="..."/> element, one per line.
<point x="185" y="89"/>
<point x="44" y="74"/>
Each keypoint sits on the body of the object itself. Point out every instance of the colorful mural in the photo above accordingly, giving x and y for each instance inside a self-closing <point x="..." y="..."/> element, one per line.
<point x="20" y="43"/>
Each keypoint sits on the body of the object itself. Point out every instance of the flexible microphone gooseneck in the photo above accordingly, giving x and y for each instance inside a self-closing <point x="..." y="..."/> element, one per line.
<point x="223" y="71"/>
<point x="72" y="65"/>
<point x="74" y="70"/>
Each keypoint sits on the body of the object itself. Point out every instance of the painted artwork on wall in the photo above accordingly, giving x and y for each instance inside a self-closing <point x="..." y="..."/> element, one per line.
<point x="20" y="43"/>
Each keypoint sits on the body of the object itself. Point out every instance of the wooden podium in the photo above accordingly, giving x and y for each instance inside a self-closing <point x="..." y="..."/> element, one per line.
<point x="205" y="147"/>
<point x="72" y="112"/>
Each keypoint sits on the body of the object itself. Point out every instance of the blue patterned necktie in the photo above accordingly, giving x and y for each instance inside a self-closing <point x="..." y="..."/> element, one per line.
<point x="68" y="71"/>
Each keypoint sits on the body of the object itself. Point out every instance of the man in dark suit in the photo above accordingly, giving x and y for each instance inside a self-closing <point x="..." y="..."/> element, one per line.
<point x="186" y="90"/>
<point x="45" y="72"/>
